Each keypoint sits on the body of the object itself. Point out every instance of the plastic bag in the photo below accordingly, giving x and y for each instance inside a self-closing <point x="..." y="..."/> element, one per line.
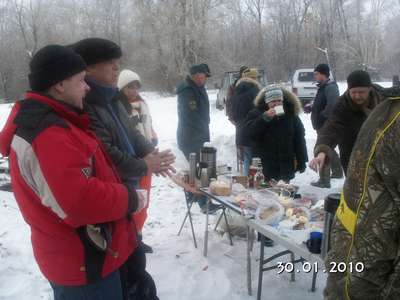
<point x="270" y="212"/>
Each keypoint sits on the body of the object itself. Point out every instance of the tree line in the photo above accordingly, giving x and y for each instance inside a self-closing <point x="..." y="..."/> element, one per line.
<point x="161" y="38"/>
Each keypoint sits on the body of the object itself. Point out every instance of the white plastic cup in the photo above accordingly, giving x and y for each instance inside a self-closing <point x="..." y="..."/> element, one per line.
<point x="279" y="110"/>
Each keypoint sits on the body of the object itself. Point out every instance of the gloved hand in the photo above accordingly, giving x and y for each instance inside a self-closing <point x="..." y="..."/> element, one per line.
<point x="137" y="199"/>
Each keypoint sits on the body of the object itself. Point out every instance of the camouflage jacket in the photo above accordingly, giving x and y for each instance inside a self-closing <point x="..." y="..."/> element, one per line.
<point x="366" y="229"/>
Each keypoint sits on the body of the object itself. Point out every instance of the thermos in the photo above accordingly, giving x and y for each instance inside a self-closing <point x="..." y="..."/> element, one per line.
<point x="330" y="206"/>
<point x="208" y="155"/>
<point x="192" y="168"/>
<point x="203" y="174"/>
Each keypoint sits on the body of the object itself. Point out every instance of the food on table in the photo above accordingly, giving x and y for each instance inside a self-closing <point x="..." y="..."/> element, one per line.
<point x="246" y="200"/>
<point x="238" y="188"/>
<point x="299" y="226"/>
<point x="267" y="212"/>
<point x="303" y="220"/>
<point x="303" y="201"/>
<point x="220" y="188"/>
<point x="297" y="218"/>
<point x="317" y="214"/>
<point x="285" y="201"/>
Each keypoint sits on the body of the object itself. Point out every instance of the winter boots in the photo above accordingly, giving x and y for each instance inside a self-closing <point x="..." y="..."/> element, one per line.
<point x="325" y="172"/>
<point x="324" y="178"/>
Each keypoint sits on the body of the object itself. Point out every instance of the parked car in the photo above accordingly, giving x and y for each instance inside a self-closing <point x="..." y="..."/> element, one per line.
<point x="304" y="85"/>
<point x="228" y="80"/>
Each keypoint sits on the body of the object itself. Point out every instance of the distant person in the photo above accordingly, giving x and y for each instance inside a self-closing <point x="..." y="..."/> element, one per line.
<point x="364" y="255"/>
<point x="246" y="90"/>
<point x="324" y="102"/>
<point x="194" y="117"/>
<point x="231" y="92"/>
<point x="65" y="185"/>
<point x="349" y="114"/>
<point x="275" y="128"/>
<point x="129" y="84"/>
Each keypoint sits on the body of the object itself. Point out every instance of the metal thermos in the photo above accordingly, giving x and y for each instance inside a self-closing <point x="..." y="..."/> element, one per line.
<point x="203" y="174"/>
<point x="192" y="168"/>
<point x="330" y="206"/>
<point x="209" y="155"/>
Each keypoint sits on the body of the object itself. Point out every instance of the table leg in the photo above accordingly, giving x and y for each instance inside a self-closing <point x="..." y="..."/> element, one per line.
<point x="191" y="225"/>
<point x="249" y="248"/>
<point x="260" y="271"/>
<point x="188" y="207"/>
<point x="314" y="279"/>
<point x="206" y="230"/>
<point x="227" y="227"/>
<point x="292" y="259"/>
<point x="219" y="220"/>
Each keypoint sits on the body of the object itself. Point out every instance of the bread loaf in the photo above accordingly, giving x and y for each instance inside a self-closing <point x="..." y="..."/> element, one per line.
<point x="220" y="188"/>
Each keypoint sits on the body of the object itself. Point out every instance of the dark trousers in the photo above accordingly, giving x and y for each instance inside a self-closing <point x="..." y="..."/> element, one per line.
<point x="136" y="283"/>
<point x="108" y="288"/>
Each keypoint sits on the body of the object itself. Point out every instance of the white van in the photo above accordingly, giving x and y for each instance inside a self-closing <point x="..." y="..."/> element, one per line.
<point x="304" y="85"/>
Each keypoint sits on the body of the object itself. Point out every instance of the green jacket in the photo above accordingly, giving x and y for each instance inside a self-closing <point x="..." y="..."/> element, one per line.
<point x="366" y="229"/>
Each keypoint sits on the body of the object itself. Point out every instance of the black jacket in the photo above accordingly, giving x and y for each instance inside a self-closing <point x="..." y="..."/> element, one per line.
<point x="343" y="126"/>
<point x="325" y="100"/>
<point x="193" y="116"/>
<point x="102" y="122"/>
<point x="245" y="93"/>
<point x="279" y="142"/>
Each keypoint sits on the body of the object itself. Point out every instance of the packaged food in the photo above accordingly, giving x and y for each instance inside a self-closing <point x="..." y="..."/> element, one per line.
<point x="298" y="217"/>
<point x="270" y="214"/>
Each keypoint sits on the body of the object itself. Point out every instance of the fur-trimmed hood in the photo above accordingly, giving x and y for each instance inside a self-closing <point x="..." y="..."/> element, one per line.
<point x="249" y="80"/>
<point x="290" y="101"/>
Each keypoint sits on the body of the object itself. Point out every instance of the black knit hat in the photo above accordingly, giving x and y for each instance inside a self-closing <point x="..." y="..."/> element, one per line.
<point x="323" y="69"/>
<point x="200" y="68"/>
<point x="52" y="64"/>
<point x="96" y="50"/>
<point x="358" y="78"/>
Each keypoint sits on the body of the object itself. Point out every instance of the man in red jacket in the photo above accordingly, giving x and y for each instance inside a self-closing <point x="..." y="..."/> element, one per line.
<point x="65" y="184"/>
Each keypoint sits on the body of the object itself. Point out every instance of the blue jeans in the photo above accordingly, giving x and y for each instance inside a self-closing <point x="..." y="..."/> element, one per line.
<point x="108" y="288"/>
<point x="247" y="156"/>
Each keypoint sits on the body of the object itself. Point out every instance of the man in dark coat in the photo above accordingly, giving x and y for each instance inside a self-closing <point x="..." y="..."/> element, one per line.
<point x="278" y="137"/>
<point x="132" y="154"/>
<point x="246" y="91"/>
<point x="231" y="93"/>
<point x="193" y="111"/>
<point x="348" y="116"/>
<point x="325" y="100"/>
<point x="194" y="117"/>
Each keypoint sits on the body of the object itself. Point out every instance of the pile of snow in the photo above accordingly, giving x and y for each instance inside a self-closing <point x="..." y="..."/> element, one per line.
<point x="180" y="270"/>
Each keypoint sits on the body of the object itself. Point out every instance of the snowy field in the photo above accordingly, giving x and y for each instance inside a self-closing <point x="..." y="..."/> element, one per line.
<point x="180" y="270"/>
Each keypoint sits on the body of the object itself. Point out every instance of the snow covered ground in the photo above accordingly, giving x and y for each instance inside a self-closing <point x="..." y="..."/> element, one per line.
<point x="180" y="270"/>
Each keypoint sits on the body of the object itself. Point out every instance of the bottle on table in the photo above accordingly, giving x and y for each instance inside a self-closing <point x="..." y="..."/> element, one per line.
<point x="253" y="170"/>
<point x="228" y="176"/>
<point x="259" y="177"/>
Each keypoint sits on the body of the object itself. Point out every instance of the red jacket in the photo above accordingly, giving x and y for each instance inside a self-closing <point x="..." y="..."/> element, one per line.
<point x="63" y="180"/>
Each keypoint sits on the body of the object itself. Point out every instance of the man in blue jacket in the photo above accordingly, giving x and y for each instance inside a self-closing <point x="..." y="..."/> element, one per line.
<point x="324" y="102"/>
<point x="194" y="116"/>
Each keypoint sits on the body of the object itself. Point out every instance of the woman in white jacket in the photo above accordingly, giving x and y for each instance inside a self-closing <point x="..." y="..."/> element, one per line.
<point x="129" y="84"/>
